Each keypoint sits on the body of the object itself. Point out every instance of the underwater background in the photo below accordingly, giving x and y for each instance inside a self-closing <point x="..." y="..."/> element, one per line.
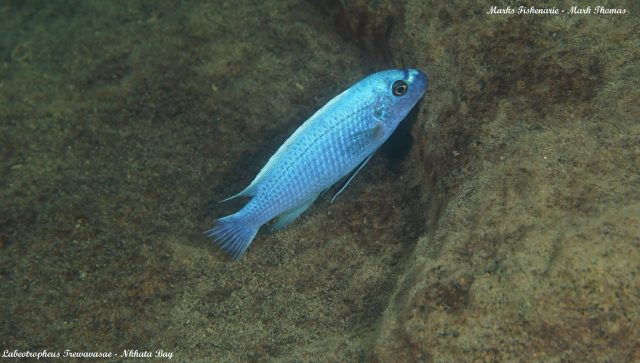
<point x="500" y="223"/>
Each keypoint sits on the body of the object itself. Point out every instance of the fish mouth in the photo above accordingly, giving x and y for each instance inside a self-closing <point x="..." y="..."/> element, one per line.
<point x="416" y="75"/>
<point x="417" y="78"/>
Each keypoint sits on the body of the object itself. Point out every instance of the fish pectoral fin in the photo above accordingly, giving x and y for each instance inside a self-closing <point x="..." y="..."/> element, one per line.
<point x="353" y="175"/>
<point x="359" y="141"/>
<point x="289" y="216"/>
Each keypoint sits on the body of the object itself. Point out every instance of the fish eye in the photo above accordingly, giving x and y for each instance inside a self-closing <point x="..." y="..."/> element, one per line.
<point x="399" y="87"/>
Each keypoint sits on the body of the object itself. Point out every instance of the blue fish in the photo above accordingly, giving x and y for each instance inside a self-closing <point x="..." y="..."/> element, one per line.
<point x="338" y="139"/>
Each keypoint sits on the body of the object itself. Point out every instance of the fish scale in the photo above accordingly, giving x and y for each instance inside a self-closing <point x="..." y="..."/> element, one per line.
<point x="337" y="140"/>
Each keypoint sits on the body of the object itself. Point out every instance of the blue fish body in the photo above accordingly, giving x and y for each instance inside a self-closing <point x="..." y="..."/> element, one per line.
<point x="338" y="139"/>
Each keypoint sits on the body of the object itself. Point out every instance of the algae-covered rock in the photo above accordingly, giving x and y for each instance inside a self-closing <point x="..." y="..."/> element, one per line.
<point x="500" y="223"/>
<point x="532" y="142"/>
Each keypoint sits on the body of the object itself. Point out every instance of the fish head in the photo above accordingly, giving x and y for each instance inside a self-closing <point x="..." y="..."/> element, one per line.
<point x="395" y="92"/>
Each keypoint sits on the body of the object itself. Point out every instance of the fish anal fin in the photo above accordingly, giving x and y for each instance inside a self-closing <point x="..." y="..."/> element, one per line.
<point x="289" y="216"/>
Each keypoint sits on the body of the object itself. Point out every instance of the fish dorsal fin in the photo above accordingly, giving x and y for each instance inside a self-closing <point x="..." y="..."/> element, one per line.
<point x="357" y="169"/>
<point x="360" y="141"/>
<point x="289" y="216"/>
<point x="247" y="192"/>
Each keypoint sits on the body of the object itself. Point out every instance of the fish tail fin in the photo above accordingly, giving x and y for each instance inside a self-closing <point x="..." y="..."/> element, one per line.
<point x="232" y="234"/>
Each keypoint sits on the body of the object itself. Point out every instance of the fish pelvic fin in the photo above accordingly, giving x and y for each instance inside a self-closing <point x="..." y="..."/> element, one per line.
<point x="232" y="234"/>
<point x="353" y="175"/>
